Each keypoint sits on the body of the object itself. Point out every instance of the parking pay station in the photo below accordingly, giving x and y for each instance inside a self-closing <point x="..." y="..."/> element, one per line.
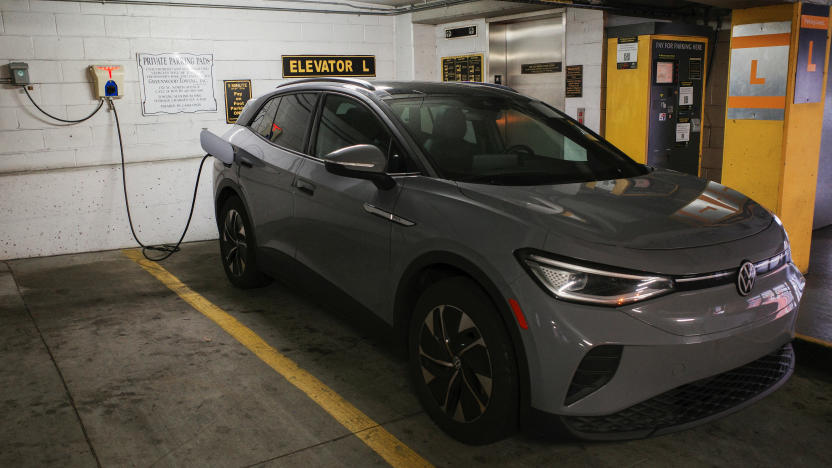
<point x="655" y="93"/>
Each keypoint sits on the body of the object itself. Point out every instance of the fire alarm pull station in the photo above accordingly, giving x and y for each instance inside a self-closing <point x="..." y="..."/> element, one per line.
<point x="109" y="80"/>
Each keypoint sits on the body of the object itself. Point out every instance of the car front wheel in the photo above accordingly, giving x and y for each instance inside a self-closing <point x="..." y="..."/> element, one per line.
<point x="462" y="362"/>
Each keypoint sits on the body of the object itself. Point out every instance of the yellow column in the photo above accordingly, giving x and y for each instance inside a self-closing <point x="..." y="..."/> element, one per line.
<point x="628" y="94"/>
<point x="774" y="161"/>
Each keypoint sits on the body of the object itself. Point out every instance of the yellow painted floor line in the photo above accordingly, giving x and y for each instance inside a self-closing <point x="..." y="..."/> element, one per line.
<point x="391" y="449"/>
<point x="814" y="340"/>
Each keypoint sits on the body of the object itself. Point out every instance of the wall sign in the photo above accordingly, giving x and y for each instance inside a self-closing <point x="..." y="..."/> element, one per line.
<point x="237" y="93"/>
<point x="574" y="81"/>
<point x="177" y="83"/>
<point x="811" y="53"/>
<point x="759" y="71"/>
<point x="543" y="67"/>
<point x="626" y="53"/>
<point x="299" y="66"/>
<point x="462" y="68"/>
<point x="465" y="31"/>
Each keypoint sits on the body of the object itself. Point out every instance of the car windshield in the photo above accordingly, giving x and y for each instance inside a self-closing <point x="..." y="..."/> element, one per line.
<point x="508" y="141"/>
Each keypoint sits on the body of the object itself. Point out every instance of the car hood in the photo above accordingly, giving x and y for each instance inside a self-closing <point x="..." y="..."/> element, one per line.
<point x="659" y="210"/>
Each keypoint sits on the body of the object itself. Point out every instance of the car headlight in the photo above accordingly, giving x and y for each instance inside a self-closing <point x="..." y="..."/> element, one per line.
<point x="579" y="283"/>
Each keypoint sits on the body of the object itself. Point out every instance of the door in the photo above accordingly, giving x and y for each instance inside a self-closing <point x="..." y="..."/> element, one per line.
<point x="268" y="160"/>
<point x="528" y="56"/>
<point x="341" y="237"/>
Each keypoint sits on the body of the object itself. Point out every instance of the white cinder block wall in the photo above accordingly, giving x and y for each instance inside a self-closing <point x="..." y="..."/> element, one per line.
<point x="585" y="46"/>
<point x="61" y="187"/>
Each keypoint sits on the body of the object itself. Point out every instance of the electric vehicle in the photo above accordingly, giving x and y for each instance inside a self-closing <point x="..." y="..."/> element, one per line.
<point x="538" y="277"/>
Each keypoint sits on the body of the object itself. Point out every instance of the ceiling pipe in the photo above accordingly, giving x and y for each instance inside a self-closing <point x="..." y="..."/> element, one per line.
<point x="355" y="9"/>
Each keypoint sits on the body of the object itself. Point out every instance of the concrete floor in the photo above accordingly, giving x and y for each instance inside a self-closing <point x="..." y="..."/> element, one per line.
<point x="815" y="317"/>
<point x="103" y="364"/>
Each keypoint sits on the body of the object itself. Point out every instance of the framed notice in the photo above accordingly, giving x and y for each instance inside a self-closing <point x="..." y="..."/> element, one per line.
<point x="462" y="68"/>
<point x="174" y="83"/>
<point x="574" y="81"/>
<point x="626" y="53"/>
<point x="542" y="67"/>
<point x="300" y="66"/>
<point x="237" y="93"/>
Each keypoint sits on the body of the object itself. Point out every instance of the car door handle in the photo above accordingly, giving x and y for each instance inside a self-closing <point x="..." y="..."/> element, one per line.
<point x="305" y="187"/>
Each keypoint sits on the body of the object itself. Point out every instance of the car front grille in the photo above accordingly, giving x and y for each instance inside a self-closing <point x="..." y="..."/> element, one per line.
<point x="692" y="403"/>
<point x="717" y="278"/>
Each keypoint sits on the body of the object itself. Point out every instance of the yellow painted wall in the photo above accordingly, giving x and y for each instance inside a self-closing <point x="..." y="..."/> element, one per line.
<point x="775" y="162"/>
<point x="628" y="94"/>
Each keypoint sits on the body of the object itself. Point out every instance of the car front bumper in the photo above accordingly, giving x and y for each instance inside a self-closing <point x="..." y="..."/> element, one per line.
<point x="658" y="356"/>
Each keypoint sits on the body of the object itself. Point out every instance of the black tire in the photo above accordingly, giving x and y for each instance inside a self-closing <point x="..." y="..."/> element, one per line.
<point x="450" y="369"/>
<point x="237" y="248"/>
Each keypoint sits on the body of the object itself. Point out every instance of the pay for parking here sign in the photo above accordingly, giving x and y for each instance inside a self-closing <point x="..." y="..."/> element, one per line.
<point x="298" y="66"/>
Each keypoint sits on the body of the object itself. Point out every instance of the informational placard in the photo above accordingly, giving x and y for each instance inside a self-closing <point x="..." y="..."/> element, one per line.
<point x="811" y="53"/>
<point x="626" y="54"/>
<point x="574" y="81"/>
<point x="299" y="66"/>
<point x="682" y="132"/>
<point x="686" y="95"/>
<point x="695" y="68"/>
<point x="759" y="72"/>
<point x="174" y="83"/>
<point x="237" y="93"/>
<point x="465" y="31"/>
<point x="462" y="68"/>
<point x="542" y="67"/>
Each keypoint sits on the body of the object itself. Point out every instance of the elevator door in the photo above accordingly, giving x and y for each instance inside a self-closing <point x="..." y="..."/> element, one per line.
<point x="528" y="56"/>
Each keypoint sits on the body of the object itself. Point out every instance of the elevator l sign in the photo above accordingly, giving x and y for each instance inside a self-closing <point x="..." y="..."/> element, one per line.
<point x="759" y="71"/>
<point x="811" y="54"/>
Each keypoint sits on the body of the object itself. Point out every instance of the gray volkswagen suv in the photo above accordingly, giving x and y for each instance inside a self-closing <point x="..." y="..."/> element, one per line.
<point x="536" y="275"/>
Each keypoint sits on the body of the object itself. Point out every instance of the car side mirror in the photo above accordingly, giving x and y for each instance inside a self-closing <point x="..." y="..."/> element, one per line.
<point x="217" y="147"/>
<point x="360" y="162"/>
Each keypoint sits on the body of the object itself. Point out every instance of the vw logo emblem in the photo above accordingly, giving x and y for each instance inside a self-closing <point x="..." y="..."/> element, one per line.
<point x="745" y="278"/>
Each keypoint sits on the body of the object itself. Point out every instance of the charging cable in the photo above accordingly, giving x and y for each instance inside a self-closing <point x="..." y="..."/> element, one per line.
<point x="100" y="103"/>
<point x="166" y="249"/>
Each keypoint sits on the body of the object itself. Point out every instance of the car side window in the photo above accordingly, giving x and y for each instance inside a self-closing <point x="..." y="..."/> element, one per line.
<point x="291" y="121"/>
<point x="262" y="122"/>
<point x="346" y="122"/>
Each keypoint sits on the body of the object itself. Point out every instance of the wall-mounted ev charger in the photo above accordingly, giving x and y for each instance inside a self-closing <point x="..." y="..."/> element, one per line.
<point x="108" y="80"/>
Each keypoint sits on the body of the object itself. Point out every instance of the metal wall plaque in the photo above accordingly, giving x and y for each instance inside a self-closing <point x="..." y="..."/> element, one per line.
<point x="465" y="31"/>
<point x="811" y="53"/>
<point x="759" y="71"/>
<point x="237" y="93"/>
<point x="544" y="67"/>
<point x="574" y="81"/>
<point x="298" y="66"/>
<point x="462" y="68"/>
<point x="177" y="83"/>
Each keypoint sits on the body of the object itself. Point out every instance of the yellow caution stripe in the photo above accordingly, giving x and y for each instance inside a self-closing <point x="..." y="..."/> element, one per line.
<point x="391" y="449"/>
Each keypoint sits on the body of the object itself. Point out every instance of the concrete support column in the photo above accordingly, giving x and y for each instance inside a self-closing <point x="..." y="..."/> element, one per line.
<point x="771" y="144"/>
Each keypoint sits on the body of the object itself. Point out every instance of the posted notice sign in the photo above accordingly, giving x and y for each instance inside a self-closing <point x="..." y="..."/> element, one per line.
<point x="175" y="83"/>
<point x="237" y="93"/>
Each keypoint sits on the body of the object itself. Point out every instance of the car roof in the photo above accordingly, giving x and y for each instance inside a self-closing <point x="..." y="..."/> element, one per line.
<point x="383" y="88"/>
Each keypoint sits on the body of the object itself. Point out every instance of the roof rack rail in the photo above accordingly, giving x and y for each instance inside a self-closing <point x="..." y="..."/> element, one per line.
<point x="363" y="83"/>
<point x="490" y="85"/>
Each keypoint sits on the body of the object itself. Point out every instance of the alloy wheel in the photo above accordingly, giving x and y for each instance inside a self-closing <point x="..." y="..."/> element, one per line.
<point x="234" y="243"/>
<point x="455" y="363"/>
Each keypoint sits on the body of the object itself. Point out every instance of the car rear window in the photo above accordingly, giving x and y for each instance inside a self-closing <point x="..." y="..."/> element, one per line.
<point x="284" y="120"/>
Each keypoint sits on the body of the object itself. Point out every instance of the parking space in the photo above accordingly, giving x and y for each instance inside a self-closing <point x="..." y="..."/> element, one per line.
<point x="105" y="364"/>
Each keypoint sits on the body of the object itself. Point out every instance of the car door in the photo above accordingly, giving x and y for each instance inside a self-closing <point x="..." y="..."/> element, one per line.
<point x="268" y="160"/>
<point x="342" y="234"/>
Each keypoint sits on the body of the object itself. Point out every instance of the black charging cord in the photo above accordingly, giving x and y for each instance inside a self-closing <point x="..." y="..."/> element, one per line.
<point x="167" y="249"/>
<point x="100" y="103"/>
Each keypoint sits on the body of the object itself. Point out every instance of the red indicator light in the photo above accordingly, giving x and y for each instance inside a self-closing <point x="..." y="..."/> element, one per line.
<point x="275" y="128"/>
<point x="518" y="314"/>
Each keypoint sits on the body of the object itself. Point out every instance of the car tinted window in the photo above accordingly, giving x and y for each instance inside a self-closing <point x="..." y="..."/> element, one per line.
<point x="262" y="122"/>
<point x="346" y="122"/>
<point x="508" y="141"/>
<point x="291" y="121"/>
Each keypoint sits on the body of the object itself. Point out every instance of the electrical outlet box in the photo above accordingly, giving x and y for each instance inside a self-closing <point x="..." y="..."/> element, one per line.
<point x="20" y="73"/>
<point x="108" y="80"/>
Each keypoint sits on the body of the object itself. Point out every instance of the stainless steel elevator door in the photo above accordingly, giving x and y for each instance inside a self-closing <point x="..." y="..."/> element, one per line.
<point x="512" y="45"/>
